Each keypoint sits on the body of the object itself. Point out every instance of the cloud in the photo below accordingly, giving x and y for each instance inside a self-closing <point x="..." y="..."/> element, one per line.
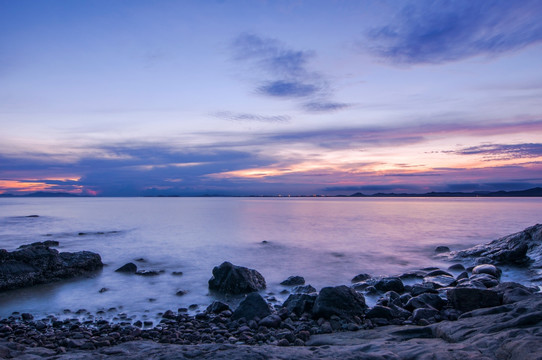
<point x="285" y="71"/>
<point x="228" y="115"/>
<point x="503" y="151"/>
<point x="428" y="31"/>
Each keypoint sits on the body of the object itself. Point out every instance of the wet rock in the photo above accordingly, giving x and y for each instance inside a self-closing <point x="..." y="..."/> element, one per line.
<point x="515" y="249"/>
<point x="102" y="290"/>
<point x="467" y="299"/>
<point x="424" y="301"/>
<point x="251" y="307"/>
<point x="300" y="303"/>
<point x="342" y="301"/>
<point x="456" y="267"/>
<point x="439" y="281"/>
<point x="293" y="280"/>
<point x="437" y="273"/>
<point x="271" y="321"/>
<point x="27" y="316"/>
<point x="512" y="292"/>
<point x="304" y="289"/>
<point x="217" y="307"/>
<point x="442" y="249"/>
<point x="232" y="279"/>
<point x="487" y="280"/>
<point x="181" y="292"/>
<point x="427" y="314"/>
<point x="390" y="284"/>
<point x="129" y="268"/>
<point x="360" y="277"/>
<point x="148" y="272"/>
<point x="379" y="311"/>
<point x="487" y="269"/>
<point x="177" y="273"/>
<point x="38" y="264"/>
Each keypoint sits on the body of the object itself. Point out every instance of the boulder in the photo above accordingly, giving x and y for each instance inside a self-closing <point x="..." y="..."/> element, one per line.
<point x="424" y="314"/>
<point x="300" y="303"/>
<point x="129" y="268"/>
<point x="304" y="289"/>
<point x="487" y="269"/>
<point x="512" y="292"/>
<point x="467" y="299"/>
<point x="390" y="284"/>
<point x="39" y="264"/>
<point x="293" y="280"/>
<point x="442" y="249"/>
<point x="253" y="306"/>
<point x="426" y="300"/>
<point x="439" y="281"/>
<point x="360" y="277"/>
<point x="270" y="321"/>
<point x="217" y="307"/>
<point x="341" y="300"/>
<point x="514" y="249"/>
<point x="231" y="279"/>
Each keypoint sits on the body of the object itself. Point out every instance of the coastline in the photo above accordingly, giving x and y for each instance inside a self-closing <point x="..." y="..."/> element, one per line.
<point x="433" y="327"/>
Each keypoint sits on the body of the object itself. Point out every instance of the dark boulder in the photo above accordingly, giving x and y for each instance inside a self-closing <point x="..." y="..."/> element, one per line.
<point x="293" y="281"/>
<point x="300" y="303"/>
<point x="428" y="314"/>
<point x="381" y="312"/>
<point x="129" y="268"/>
<point x="467" y="299"/>
<point x="442" y="249"/>
<point x="341" y="300"/>
<point x="304" y="289"/>
<point x="512" y="292"/>
<point x="38" y="264"/>
<point x="390" y="284"/>
<point x="360" y="277"/>
<point x="426" y="300"/>
<point x="217" y="307"/>
<point x="514" y="249"/>
<point x="487" y="269"/>
<point x="253" y="306"/>
<point x="231" y="279"/>
<point x="270" y="321"/>
<point x="439" y="281"/>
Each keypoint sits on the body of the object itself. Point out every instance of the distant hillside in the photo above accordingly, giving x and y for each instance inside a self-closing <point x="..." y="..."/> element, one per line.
<point x="42" y="194"/>
<point x="534" y="192"/>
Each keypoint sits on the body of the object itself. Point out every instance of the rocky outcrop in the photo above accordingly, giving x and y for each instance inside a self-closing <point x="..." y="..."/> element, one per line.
<point x="521" y="248"/>
<point x="129" y="268"/>
<point x="231" y="279"/>
<point x="293" y="281"/>
<point x="38" y="264"/>
<point x="253" y="306"/>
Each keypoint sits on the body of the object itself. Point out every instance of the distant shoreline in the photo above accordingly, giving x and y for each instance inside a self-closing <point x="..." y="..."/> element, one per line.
<point x="533" y="192"/>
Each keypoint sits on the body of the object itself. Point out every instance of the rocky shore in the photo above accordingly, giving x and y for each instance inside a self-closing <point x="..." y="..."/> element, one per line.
<point x="464" y="311"/>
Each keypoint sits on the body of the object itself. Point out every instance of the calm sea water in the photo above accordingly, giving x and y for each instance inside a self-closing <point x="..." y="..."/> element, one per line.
<point x="325" y="240"/>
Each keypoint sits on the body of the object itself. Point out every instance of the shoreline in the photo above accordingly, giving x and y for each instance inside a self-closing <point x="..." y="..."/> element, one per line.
<point x="328" y="324"/>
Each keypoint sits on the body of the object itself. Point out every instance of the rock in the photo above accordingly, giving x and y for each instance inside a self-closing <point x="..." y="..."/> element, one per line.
<point x="102" y="290"/>
<point x="514" y="249"/>
<point x="424" y="301"/>
<point x="456" y="267"/>
<point x="181" y="292"/>
<point x="293" y="280"/>
<point x="418" y="289"/>
<point x="130" y="268"/>
<point x="148" y="272"/>
<point x="425" y="314"/>
<point x="487" y="280"/>
<point x="442" y="249"/>
<point x="390" y="284"/>
<point x="251" y="307"/>
<point x="38" y="264"/>
<point x="231" y="279"/>
<point x="467" y="299"/>
<point x="379" y="311"/>
<point x="304" y="289"/>
<point x="437" y="273"/>
<point x="487" y="269"/>
<point x="177" y="273"/>
<point x="272" y="321"/>
<point x="360" y="277"/>
<point x="217" y="307"/>
<point x="439" y="281"/>
<point x="300" y="303"/>
<point x="512" y="292"/>
<point x="342" y="301"/>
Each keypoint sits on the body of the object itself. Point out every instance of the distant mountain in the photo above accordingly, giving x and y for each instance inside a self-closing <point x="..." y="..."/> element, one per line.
<point x="534" y="192"/>
<point x="42" y="194"/>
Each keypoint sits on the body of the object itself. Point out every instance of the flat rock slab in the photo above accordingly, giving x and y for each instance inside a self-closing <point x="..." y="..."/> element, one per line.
<point x="37" y="263"/>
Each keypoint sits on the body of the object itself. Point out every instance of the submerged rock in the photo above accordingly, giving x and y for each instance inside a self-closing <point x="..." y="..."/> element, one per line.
<point x="467" y="299"/>
<point x="129" y="268"/>
<point x="300" y="303"/>
<point x="38" y="264"/>
<point x="390" y="284"/>
<point x="231" y="279"/>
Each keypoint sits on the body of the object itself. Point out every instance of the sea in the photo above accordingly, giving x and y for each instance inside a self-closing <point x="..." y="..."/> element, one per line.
<point x="326" y="240"/>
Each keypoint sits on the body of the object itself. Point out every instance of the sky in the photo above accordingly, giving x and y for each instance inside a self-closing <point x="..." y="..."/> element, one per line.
<point x="138" y="98"/>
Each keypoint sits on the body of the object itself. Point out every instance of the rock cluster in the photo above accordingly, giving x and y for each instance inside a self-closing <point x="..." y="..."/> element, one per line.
<point x="37" y="263"/>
